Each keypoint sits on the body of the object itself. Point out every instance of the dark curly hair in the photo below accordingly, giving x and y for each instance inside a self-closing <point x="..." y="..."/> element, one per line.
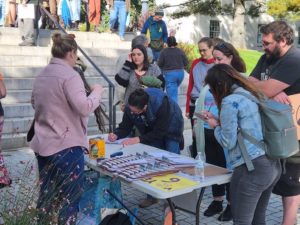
<point x="280" y="30"/>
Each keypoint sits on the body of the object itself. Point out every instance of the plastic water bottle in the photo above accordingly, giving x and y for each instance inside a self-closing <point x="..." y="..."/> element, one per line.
<point x="199" y="167"/>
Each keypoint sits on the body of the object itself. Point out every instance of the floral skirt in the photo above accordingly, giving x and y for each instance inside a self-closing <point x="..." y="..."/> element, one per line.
<point x="4" y="178"/>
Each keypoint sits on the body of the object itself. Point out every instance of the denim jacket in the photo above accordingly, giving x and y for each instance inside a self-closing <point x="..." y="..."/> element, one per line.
<point x="237" y="111"/>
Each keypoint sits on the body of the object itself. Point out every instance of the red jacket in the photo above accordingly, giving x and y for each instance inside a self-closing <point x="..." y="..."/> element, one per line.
<point x="191" y="81"/>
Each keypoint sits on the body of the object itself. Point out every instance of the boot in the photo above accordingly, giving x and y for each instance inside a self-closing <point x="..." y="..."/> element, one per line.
<point x="226" y="215"/>
<point x="214" y="208"/>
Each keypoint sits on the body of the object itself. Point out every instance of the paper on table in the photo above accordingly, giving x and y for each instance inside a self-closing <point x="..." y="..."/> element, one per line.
<point x="170" y="182"/>
<point x="117" y="142"/>
<point x="159" y="155"/>
<point x="181" y="160"/>
<point x="26" y="11"/>
<point x="173" y="158"/>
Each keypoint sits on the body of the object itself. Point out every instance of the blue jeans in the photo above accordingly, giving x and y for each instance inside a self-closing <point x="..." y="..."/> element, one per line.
<point x="156" y="55"/>
<point x="75" y="10"/>
<point x="118" y="12"/>
<point x="167" y="144"/>
<point x="61" y="179"/>
<point x="2" y="12"/>
<point x="173" y="79"/>
<point x="172" y="146"/>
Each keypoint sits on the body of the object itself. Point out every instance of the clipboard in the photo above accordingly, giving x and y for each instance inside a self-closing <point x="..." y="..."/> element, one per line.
<point x="295" y="102"/>
<point x="26" y="11"/>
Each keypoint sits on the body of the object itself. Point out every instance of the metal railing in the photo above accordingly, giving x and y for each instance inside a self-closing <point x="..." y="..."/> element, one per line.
<point x="111" y="86"/>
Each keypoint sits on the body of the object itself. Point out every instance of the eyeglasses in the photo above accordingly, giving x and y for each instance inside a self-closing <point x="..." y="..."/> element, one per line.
<point x="266" y="43"/>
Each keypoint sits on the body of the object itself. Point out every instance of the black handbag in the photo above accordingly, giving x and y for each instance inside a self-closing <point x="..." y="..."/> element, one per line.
<point x="30" y="132"/>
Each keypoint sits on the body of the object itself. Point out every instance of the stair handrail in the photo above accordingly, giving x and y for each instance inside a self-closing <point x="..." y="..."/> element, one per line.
<point x="111" y="85"/>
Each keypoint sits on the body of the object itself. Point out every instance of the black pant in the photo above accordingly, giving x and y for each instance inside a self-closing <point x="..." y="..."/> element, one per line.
<point x="215" y="155"/>
<point x="194" y="147"/>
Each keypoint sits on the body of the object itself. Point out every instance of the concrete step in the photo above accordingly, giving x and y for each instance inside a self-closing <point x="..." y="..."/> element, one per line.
<point x="18" y="110"/>
<point x="24" y="96"/>
<point x="11" y="36"/>
<point x="32" y="71"/>
<point x="38" y="61"/>
<point x="79" y="35"/>
<point x="27" y="83"/>
<point x="22" y="125"/>
<point x="18" y="102"/>
<point x="46" y="51"/>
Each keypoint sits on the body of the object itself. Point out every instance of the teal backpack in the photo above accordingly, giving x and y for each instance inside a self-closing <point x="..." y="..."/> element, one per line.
<point x="156" y="32"/>
<point x="279" y="132"/>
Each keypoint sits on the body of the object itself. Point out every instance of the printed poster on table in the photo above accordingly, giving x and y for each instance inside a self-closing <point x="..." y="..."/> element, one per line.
<point x="295" y="102"/>
<point x="170" y="182"/>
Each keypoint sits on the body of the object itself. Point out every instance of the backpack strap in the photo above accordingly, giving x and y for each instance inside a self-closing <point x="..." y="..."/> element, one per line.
<point x="251" y="139"/>
<point x="251" y="97"/>
<point x="244" y="134"/>
<point x="244" y="152"/>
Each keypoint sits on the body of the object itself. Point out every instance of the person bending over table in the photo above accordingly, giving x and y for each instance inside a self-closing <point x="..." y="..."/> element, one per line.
<point x="157" y="118"/>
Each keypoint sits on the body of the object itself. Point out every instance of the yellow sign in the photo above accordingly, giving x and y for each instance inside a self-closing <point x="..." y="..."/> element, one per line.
<point x="170" y="182"/>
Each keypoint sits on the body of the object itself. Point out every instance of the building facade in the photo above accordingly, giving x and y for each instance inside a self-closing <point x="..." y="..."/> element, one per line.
<point x="190" y="29"/>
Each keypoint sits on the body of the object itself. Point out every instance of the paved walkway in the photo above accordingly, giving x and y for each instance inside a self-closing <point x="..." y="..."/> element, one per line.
<point x="18" y="160"/>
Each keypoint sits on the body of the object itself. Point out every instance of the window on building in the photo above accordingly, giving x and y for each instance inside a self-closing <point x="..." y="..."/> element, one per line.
<point x="214" y="28"/>
<point x="259" y="35"/>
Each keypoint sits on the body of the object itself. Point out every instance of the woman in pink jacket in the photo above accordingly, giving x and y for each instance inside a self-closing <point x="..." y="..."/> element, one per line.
<point x="60" y="138"/>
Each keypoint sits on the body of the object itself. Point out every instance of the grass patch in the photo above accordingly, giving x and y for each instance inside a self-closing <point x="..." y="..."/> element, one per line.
<point x="250" y="57"/>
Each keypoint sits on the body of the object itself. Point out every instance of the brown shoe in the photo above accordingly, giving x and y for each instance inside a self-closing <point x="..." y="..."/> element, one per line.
<point x="148" y="202"/>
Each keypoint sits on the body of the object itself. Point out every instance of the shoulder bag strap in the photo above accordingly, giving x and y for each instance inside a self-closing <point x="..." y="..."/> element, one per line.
<point x="244" y="152"/>
<point x="199" y="126"/>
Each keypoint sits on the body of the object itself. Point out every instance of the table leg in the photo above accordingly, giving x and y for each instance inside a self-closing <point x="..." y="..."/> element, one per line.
<point x="172" y="207"/>
<point x="198" y="206"/>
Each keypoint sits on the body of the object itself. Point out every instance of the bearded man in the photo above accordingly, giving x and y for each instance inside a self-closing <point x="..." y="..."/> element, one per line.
<point x="277" y="74"/>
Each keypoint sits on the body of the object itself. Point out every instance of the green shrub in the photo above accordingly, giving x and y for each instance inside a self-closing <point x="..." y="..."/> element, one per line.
<point x="191" y="52"/>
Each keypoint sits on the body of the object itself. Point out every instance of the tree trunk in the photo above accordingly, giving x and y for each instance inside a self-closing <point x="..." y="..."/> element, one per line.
<point x="238" y="25"/>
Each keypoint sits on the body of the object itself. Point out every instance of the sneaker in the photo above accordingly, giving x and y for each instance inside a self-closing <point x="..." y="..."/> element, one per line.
<point x="122" y="39"/>
<point x="214" y="208"/>
<point x="226" y="215"/>
<point x="148" y="202"/>
<point x="25" y="43"/>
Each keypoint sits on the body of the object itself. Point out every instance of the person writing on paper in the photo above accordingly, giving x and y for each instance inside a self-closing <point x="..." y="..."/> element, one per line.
<point x="277" y="76"/>
<point x="249" y="191"/>
<point x="158" y="119"/>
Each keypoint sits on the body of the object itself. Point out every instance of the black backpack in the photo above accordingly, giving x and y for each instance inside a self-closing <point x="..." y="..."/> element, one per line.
<point x="118" y="218"/>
